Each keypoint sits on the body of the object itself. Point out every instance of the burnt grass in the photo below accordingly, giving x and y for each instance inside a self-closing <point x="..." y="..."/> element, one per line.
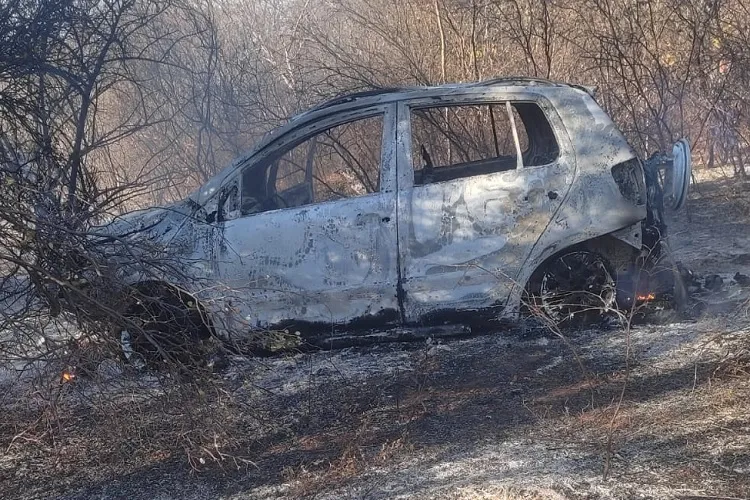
<point x="435" y="403"/>
<point x="335" y="428"/>
<point x="481" y="390"/>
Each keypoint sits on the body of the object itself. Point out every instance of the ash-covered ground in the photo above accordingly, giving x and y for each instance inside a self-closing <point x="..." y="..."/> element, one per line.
<point x="656" y="411"/>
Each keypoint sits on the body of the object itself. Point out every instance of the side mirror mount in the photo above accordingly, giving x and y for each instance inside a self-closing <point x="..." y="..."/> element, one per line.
<point x="228" y="206"/>
<point x="209" y="212"/>
<point x="201" y="215"/>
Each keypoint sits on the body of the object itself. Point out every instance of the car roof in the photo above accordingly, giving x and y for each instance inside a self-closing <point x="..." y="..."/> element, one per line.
<point x="389" y="94"/>
<point x="373" y="97"/>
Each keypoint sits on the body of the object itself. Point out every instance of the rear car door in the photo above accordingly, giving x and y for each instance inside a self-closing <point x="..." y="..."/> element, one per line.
<point x="470" y="207"/>
<point x="314" y="244"/>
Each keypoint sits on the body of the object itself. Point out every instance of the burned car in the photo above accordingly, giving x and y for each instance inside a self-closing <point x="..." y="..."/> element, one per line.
<point x="409" y="208"/>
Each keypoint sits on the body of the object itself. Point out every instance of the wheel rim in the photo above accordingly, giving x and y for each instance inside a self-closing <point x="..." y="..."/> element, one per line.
<point x="577" y="286"/>
<point x="150" y="347"/>
<point x="129" y="351"/>
<point x="164" y="329"/>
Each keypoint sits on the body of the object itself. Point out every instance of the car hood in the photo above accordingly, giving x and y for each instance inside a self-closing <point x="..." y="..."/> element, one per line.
<point x="154" y="222"/>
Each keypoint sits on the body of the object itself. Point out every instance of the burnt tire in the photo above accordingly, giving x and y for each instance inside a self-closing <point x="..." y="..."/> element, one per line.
<point x="152" y="347"/>
<point x="575" y="288"/>
<point x="162" y="330"/>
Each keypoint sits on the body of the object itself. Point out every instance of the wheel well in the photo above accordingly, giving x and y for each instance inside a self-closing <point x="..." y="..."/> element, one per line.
<point x="619" y="255"/>
<point x="168" y="302"/>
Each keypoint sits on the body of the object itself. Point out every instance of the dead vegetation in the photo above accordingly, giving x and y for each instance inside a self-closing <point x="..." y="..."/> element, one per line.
<point x="107" y="106"/>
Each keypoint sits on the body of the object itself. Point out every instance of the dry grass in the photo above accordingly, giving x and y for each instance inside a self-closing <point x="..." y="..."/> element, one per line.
<point x="696" y="434"/>
<point x="84" y="430"/>
<point x="331" y="435"/>
<point x="500" y="493"/>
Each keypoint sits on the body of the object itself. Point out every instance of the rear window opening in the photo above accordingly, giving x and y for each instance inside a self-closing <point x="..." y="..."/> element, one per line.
<point x="452" y="142"/>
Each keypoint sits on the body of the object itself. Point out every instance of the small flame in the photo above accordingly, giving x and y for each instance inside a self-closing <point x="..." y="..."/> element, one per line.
<point x="647" y="297"/>
<point x="68" y="376"/>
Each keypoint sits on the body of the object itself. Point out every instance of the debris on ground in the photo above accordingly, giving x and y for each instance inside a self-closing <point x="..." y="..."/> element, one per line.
<point x="714" y="282"/>
<point x="741" y="279"/>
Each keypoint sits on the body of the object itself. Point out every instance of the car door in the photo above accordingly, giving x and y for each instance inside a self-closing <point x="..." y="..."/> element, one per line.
<point x="471" y="208"/>
<point x="314" y="247"/>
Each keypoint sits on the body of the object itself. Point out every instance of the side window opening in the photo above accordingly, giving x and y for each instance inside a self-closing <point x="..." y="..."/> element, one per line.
<point x="451" y="142"/>
<point x="542" y="147"/>
<point x="340" y="162"/>
<point x="346" y="162"/>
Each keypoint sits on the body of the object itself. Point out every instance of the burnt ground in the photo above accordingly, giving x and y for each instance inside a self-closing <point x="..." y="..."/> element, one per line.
<point x="525" y="414"/>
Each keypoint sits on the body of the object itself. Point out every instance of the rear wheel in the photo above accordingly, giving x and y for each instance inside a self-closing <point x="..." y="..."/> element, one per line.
<point x="575" y="287"/>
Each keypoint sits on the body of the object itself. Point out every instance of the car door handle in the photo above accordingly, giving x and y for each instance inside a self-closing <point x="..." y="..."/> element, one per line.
<point x="385" y="219"/>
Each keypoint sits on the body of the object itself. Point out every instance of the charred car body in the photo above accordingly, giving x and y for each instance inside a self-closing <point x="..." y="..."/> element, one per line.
<point x="417" y="207"/>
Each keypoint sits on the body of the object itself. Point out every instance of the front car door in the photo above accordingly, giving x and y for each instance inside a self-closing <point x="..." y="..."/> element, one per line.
<point x="313" y="247"/>
<point x="480" y="179"/>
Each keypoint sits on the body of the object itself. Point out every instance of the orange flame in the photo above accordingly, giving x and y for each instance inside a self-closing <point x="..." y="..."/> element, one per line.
<point x="68" y="376"/>
<point x="647" y="297"/>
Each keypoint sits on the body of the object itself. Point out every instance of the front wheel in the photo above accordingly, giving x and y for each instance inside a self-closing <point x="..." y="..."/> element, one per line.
<point x="162" y="331"/>
<point x="152" y="345"/>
